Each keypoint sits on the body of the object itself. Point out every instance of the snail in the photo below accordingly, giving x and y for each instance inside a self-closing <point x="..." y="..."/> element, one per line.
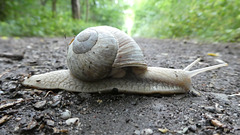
<point x="103" y="58"/>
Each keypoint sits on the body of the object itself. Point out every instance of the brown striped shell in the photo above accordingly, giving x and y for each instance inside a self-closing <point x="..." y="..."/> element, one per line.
<point x="103" y="51"/>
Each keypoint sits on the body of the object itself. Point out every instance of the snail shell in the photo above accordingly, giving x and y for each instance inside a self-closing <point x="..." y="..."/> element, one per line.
<point x="103" y="51"/>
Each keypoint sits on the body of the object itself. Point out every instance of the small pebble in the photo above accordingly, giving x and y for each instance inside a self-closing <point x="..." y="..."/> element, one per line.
<point x="56" y="100"/>
<point x="31" y="125"/>
<point x="16" y="129"/>
<point x="18" y="119"/>
<point x="198" y="125"/>
<point x="66" y="114"/>
<point x="50" y="122"/>
<point x="134" y="102"/>
<point x="147" y="131"/>
<point x="207" y="132"/>
<point x="218" y="109"/>
<point x="40" y="104"/>
<point x="71" y="121"/>
<point x="84" y="95"/>
<point x="184" y="131"/>
<point x="210" y="109"/>
<point x="192" y="128"/>
<point x="29" y="47"/>
<point x="137" y="132"/>
<point x="60" y="123"/>
<point x="12" y="86"/>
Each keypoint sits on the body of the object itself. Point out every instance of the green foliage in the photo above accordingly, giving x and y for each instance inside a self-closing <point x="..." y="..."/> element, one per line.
<point x="214" y="20"/>
<point x="48" y="26"/>
<point x="32" y="18"/>
<point x="108" y="12"/>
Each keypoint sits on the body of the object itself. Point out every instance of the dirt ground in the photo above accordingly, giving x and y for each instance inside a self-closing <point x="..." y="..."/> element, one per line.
<point x="32" y="111"/>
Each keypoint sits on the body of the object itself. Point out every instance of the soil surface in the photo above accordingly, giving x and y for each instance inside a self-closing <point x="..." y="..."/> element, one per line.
<point x="33" y="111"/>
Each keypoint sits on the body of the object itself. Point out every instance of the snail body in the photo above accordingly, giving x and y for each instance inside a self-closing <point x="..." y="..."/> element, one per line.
<point x="103" y="58"/>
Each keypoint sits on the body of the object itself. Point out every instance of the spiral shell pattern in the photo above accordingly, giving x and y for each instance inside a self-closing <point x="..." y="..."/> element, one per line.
<point x="97" y="50"/>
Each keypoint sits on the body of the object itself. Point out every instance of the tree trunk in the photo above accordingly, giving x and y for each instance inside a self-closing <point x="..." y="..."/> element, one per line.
<point x="87" y="10"/>
<point x="75" y="9"/>
<point x="43" y="2"/>
<point x="54" y="9"/>
<point x="3" y="13"/>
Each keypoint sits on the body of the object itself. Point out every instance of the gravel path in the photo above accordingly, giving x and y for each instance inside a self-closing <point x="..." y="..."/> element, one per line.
<point x="27" y="111"/>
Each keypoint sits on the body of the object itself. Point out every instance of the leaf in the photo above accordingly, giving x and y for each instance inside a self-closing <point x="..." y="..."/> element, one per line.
<point x="213" y="54"/>
<point x="163" y="130"/>
<point x="4" y="38"/>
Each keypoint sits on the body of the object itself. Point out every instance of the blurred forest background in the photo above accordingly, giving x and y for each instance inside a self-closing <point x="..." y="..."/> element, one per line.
<point x="207" y="20"/>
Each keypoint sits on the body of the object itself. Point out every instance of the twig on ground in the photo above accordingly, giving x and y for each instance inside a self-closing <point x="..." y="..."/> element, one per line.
<point x="238" y="94"/>
<point x="12" y="103"/>
<point x="4" y="73"/>
<point x="4" y="119"/>
<point x="12" y="56"/>
<point x="215" y="122"/>
<point x="48" y="93"/>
